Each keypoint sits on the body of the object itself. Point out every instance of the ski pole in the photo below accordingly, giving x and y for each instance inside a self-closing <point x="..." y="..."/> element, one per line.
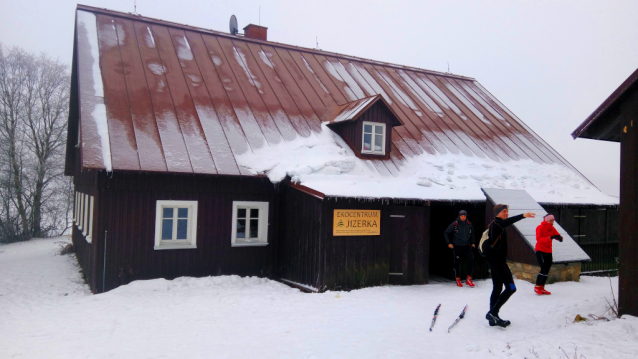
<point x="458" y="319"/>
<point x="436" y="311"/>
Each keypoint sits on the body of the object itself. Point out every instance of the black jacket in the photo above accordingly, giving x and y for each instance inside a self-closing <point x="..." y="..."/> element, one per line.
<point x="459" y="233"/>
<point x="497" y="228"/>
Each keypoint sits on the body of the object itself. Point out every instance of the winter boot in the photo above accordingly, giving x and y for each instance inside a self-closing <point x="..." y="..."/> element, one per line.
<point x="543" y="291"/>
<point x="538" y="290"/>
<point x="494" y="320"/>
<point x="469" y="281"/>
<point x="458" y="282"/>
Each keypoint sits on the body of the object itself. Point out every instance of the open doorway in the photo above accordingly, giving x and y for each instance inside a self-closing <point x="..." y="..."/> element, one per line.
<point x="441" y="257"/>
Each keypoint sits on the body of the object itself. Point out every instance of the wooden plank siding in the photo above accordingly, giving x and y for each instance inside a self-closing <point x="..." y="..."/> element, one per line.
<point x="595" y="229"/>
<point x="86" y="182"/>
<point x="300" y="255"/>
<point x="127" y="208"/>
<point x="352" y="262"/>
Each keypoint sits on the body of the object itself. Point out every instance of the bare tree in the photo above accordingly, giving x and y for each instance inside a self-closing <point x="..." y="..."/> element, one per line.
<point x="34" y="100"/>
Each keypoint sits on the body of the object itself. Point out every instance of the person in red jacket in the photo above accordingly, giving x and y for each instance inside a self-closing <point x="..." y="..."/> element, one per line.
<point x="545" y="232"/>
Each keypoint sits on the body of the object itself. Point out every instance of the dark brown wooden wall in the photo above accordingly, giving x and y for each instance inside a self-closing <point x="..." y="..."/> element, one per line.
<point x="352" y="131"/>
<point x="352" y="262"/>
<point x="300" y="255"/>
<point x="87" y="182"/>
<point x="595" y="229"/>
<point x="628" y="265"/>
<point x="127" y="203"/>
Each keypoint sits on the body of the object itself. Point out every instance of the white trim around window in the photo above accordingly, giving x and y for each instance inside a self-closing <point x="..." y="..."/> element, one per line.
<point x="81" y="211"/>
<point x="250" y="224"/>
<point x="175" y="225"/>
<point x="373" y="138"/>
<point x="89" y="237"/>
<point x="75" y="208"/>
<point x="85" y="218"/>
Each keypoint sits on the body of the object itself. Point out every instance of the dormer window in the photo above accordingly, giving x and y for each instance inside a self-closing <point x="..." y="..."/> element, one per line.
<point x="373" y="138"/>
<point x="366" y="126"/>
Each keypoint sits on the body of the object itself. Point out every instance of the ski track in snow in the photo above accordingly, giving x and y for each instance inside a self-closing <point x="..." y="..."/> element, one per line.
<point x="48" y="312"/>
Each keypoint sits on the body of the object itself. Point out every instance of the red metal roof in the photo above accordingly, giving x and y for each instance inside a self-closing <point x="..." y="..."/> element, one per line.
<point x="185" y="99"/>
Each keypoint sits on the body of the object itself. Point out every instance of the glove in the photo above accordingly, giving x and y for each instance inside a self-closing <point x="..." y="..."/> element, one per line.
<point x="557" y="237"/>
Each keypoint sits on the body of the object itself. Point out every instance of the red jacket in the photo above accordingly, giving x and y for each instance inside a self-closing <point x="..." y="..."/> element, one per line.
<point x="544" y="232"/>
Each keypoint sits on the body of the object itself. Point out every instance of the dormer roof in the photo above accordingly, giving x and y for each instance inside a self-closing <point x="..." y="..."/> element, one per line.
<point x="353" y="110"/>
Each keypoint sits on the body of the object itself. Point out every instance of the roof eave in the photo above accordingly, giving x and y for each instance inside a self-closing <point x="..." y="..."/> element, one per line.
<point x="601" y="113"/>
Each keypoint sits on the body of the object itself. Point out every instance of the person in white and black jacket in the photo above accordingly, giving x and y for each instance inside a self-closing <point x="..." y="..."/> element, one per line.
<point x="495" y="249"/>
<point x="459" y="236"/>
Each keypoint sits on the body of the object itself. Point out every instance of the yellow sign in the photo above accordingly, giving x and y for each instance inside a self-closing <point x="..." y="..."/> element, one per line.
<point x="356" y="222"/>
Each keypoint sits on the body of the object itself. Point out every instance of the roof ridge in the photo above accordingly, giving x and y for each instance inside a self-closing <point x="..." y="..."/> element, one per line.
<point x="271" y="43"/>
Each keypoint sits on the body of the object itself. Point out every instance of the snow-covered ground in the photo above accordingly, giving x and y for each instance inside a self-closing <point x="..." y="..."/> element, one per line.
<point x="47" y="312"/>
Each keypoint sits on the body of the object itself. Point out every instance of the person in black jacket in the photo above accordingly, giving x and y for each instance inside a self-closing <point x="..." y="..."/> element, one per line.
<point x="495" y="249"/>
<point x="459" y="236"/>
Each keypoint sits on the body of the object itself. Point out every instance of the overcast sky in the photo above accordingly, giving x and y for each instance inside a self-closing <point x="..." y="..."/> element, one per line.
<point x="551" y="62"/>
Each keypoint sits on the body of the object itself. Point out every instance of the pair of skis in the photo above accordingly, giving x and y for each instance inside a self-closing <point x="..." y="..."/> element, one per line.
<point x="436" y="312"/>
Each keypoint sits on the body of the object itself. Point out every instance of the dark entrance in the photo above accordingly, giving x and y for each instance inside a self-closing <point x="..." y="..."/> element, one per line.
<point x="441" y="257"/>
<point x="408" y="247"/>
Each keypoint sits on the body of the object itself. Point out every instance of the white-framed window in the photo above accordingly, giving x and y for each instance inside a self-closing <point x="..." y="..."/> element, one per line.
<point x="83" y="214"/>
<point x="85" y="218"/>
<point x="373" y="138"/>
<point x="250" y="224"/>
<point x="81" y="211"/>
<point x="88" y="224"/>
<point x="75" y="209"/>
<point x="176" y="225"/>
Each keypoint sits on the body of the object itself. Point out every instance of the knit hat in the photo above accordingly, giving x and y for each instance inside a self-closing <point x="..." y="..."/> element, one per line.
<point x="499" y="208"/>
<point x="462" y="213"/>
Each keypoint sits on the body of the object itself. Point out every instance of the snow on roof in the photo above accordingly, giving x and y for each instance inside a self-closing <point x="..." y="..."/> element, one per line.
<point x="184" y="99"/>
<point x="324" y="162"/>
<point x="93" y="110"/>
<point x="519" y="201"/>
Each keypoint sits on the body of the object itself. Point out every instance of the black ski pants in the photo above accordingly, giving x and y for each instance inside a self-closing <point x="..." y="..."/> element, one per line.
<point x="501" y="277"/>
<point x="461" y="252"/>
<point x="545" y="262"/>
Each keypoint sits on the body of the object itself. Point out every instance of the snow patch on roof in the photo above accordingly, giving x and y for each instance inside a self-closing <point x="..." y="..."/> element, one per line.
<point x="420" y="94"/>
<point x="467" y="103"/>
<point x="184" y="49"/>
<point x="428" y="86"/>
<point x="99" y="115"/>
<point x="241" y="60"/>
<point x="149" y="39"/>
<point x="324" y="162"/>
<point x="88" y="21"/>
<point x="398" y="93"/>
<point x="265" y="58"/>
<point x="157" y="69"/>
<point x="314" y="74"/>
<point x="334" y="73"/>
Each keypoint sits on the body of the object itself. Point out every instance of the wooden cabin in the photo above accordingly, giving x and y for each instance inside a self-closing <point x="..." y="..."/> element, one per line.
<point x="616" y="119"/>
<point x="196" y="153"/>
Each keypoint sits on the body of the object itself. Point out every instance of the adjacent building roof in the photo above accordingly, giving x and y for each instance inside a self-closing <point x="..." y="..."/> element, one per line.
<point x="520" y="202"/>
<point x="604" y="122"/>
<point x="164" y="97"/>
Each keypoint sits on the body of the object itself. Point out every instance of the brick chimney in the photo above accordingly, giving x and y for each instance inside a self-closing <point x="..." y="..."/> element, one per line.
<point x="257" y="32"/>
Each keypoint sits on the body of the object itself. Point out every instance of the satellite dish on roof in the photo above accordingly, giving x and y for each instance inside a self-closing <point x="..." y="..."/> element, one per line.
<point x="234" y="29"/>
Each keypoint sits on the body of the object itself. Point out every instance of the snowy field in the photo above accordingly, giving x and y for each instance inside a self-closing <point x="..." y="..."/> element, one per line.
<point x="47" y="312"/>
